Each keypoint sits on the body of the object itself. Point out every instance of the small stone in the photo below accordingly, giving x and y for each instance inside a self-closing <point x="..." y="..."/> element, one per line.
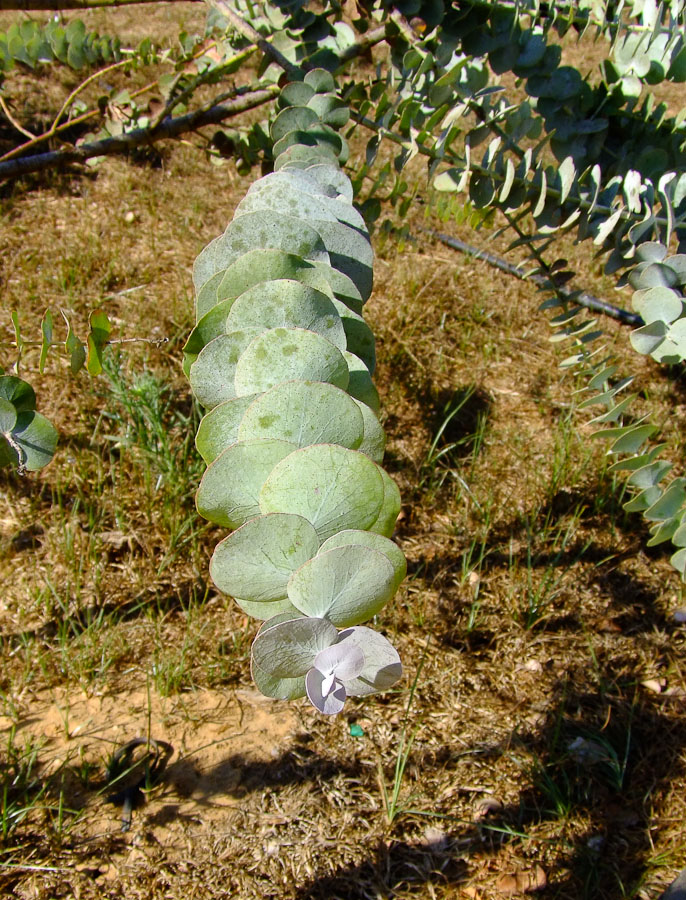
<point x="679" y="615"/>
<point x="532" y="665"/>
<point x="130" y="217"/>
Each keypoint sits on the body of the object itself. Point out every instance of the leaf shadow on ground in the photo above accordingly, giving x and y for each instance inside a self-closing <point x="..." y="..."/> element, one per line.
<point x="606" y="754"/>
<point x="590" y="773"/>
<point x="445" y="428"/>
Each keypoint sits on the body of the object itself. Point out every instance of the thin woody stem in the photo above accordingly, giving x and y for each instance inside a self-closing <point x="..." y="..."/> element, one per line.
<point x="77" y="90"/>
<point x="139" y="136"/>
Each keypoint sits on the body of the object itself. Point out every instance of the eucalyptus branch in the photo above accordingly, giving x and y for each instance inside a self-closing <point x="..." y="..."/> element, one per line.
<point x="139" y="136"/>
<point x="553" y="193"/>
<point x="196" y="83"/>
<point x="403" y="27"/>
<point x="77" y="90"/>
<point x="491" y="123"/>
<point x="367" y="41"/>
<point x="583" y="298"/>
<point x="77" y="120"/>
<point x="255" y="37"/>
<point x="57" y="5"/>
<point x="84" y="117"/>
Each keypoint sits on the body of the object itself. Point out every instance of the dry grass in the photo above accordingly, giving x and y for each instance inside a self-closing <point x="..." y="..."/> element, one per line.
<point x="546" y="739"/>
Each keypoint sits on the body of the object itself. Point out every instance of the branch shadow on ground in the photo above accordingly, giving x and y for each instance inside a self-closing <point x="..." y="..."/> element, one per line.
<point x="607" y="753"/>
<point x="392" y="867"/>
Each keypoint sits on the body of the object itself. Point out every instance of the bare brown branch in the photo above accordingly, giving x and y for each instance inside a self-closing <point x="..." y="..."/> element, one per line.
<point x="139" y="137"/>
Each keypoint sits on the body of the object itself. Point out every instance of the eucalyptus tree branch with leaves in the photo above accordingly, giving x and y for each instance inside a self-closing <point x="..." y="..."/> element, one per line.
<point x="282" y="361"/>
<point x="592" y="153"/>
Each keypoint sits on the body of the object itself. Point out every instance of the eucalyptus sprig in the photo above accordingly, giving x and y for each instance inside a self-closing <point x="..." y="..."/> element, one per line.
<point x="282" y="360"/>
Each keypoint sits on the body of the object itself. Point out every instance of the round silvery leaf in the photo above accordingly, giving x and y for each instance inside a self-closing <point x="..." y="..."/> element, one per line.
<point x="17" y="392"/>
<point x="350" y="251"/>
<point x="298" y="178"/>
<point x="263" y="266"/>
<point x="285" y="354"/>
<point x="209" y="326"/>
<point x="331" y="174"/>
<point x="212" y="375"/>
<point x="382" y="664"/>
<point x="316" y="137"/>
<point x="263" y="230"/>
<point x="8" y="416"/>
<point x="391" y="551"/>
<point x="277" y="688"/>
<point x="36" y="438"/>
<point x="332" y="487"/>
<point x="219" y="427"/>
<point x="346" y="213"/>
<point x="651" y="251"/>
<point x="288" y="649"/>
<point x="659" y="304"/>
<point x="374" y="438"/>
<point x="390" y="509"/>
<point x="358" y="335"/>
<point x="321" y="80"/>
<point x="256" y="561"/>
<point x="286" y="303"/>
<point x="330" y="110"/>
<point x="360" y="384"/>
<point x="677" y="264"/>
<point x="293" y="118"/>
<point x="297" y="93"/>
<point x="676" y="338"/>
<point x="204" y="266"/>
<point x="258" y="230"/>
<point x="346" y="585"/>
<point x="342" y="287"/>
<point x="344" y="153"/>
<point x="303" y="156"/>
<point x="229" y="490"/>
<point x="289" y="199"/>
<point x="653" y="275"/>
<point x="267" y="610"/>
<point x="341" y="660"/>
<point x="648" y="338"/>
<point x="304" y="413"/>
<point x="328" y="698"/>
<point x="206" y="297"/>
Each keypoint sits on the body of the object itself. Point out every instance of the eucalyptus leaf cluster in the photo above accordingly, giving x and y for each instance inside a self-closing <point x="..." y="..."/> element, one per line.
<point x="619" y="179"/>
<point x="282" y="360"/>
<point x="658" y="279"/>
<point x="33" y="44"/>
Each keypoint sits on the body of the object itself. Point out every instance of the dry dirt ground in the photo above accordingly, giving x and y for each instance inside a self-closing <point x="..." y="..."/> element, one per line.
<point x="543" y="749"/>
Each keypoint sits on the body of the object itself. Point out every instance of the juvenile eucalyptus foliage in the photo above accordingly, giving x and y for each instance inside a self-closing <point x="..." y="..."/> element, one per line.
<point x="27" y="438"/>
<point x="659" y="281"/>
<point x="282" y="360"/>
